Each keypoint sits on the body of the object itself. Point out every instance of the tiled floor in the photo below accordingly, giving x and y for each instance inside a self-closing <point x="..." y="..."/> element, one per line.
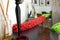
<point x="44" y="35"/>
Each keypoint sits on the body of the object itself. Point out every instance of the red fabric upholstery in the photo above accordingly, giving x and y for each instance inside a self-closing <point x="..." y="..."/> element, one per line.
<point x="30" y="24"/>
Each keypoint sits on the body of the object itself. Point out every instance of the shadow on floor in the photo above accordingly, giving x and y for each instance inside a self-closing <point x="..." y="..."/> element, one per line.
<point x="45" y="34"/>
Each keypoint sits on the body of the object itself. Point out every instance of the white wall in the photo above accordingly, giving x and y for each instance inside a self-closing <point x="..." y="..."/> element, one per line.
<point x="40" y="9"/>
<point x="24" y="12"/>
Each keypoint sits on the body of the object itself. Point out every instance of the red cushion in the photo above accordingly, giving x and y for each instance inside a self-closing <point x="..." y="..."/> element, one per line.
<point x="30" y="24"/>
